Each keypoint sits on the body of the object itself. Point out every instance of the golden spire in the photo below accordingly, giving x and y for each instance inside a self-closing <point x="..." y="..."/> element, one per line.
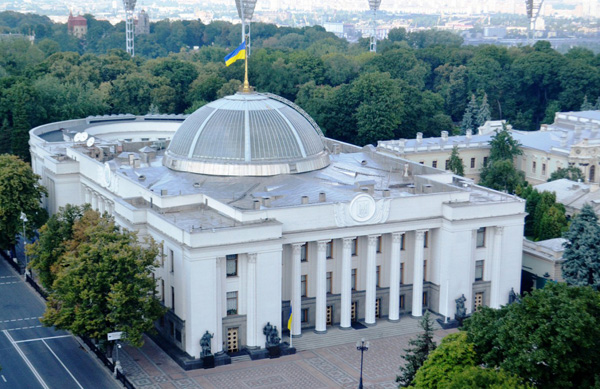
<point x="246" y="88"/>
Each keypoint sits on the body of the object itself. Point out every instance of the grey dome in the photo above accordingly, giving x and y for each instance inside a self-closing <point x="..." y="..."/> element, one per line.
<point x="247" y="134"/>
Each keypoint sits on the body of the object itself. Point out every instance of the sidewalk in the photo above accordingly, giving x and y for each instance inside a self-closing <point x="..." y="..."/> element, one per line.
<point x="335" y="365"/>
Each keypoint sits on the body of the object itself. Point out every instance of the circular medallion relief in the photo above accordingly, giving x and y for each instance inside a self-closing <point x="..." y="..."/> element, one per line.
<point x="107" y="174"/>
<point x="362" y="207"/>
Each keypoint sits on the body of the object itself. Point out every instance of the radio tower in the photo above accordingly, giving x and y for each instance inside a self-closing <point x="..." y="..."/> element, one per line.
<point x="533" y="11"/>
<point x="246" y="11"/>
<point x="374" y="5"/>
<point x="129" y="6"/>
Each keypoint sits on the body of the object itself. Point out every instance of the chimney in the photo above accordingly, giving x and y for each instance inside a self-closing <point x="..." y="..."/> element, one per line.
<point x="136" y="163"/>
<point x="337" y="148"/>
<point x="304" y="200"/>
<point x="469" y="133"/>
<point x="322" y="197"/>
<point x="386" y="193"/>
<point x="131" y="158"/>
<point x="164" y="192"/>
<point x="267" y="201"/>
<point x="445" y="136"/>
<point x="419" y="137"/>
<point x="256" y="204"/>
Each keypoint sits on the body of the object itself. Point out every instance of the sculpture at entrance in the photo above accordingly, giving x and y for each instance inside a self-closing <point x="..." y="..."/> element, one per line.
<point x="272" y="335"/>
<point x="205" y="344"/>
<point x="461" y="311"/>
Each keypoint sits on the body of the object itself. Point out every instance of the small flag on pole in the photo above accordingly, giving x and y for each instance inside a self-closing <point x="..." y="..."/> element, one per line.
<point x="290" y="319"/>
<point x="239" y="53"/>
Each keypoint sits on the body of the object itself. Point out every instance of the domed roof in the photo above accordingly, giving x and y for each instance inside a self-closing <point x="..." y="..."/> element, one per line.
<point x="247" y="134"/>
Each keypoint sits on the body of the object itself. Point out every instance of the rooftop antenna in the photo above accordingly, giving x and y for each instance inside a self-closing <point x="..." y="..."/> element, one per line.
<point x="533" y="11"/>
<point x="129" y="7"/>
<point x="90" y="142"/>
<point x="374" y="6"/>
<point x="245" y="10"/>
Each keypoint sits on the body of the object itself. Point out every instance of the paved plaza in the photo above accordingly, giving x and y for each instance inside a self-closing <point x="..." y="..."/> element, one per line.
<point x="335" y="366"/>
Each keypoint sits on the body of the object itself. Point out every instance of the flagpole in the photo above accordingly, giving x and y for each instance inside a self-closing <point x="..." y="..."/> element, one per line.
<point x="246" y="88"/>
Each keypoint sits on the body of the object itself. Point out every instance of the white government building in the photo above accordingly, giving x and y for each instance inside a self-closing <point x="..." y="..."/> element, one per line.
<point x="256" y="211"/>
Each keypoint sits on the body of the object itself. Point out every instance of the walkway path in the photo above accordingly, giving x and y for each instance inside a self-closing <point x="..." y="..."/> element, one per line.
<point x="334" y="364"/>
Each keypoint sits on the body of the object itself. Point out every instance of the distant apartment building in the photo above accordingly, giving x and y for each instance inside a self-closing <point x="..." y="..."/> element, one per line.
<point x="77" y="25"/>
<point x="142" y="23"/>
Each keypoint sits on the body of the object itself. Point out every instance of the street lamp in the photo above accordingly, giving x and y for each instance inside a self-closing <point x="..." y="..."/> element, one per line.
<point x="23" y="217"/>
<point x="362" y="347"/>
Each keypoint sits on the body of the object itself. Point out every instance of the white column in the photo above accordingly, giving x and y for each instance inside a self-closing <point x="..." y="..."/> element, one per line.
<point x="251" y="330"/>
<point x="417" y="300"/>
<point x="218" y="336"/>
<point x="371" y="289"/>
<point x="394" y="310"/>
<point x="101" y="203"/>
<point x="346" y="297"/>
<point x="88" y="195"/>
<point x="296" y="291"/>
<point x="94" y="201"/>
<point x="321" y="276"/>
<point x="495" y="299"/>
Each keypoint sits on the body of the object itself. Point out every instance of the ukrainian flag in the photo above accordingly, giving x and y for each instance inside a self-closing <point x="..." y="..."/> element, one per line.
<point x="290" y="320"/>
<point x="239" y="53"/>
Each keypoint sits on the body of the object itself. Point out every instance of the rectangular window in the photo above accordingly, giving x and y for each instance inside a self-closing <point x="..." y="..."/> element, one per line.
<point x="402" y="273"/>
<point x="543" y="169"/>
<point x="426" y="239"/>
<point x="232" y="264"/>
<point x="533" y="166"/>
<point x="425" y="302"/>
<point x="173" y="299"/>
<point x="378" y="276"/>
<point x="402" y="302"/>
<point x="472" y="163"/>
<point x="329" y="250"/>
<point x="162" y="254"/>
<point x="425" y="270"/>
<point x="422" y="162"/>
<point x="479" y="270"/>
<point x="303" y="286"/>
<point x="354" y="247"/>
<point x="303" y="253"/>
<point x="232" y="303"/>
<point x="353" y="280"/>
<point x="304" y="317"/>
<point x="485" y="159"/>
<point x="481" y="237"/>
<point x="434" y="164"/>
<point x="402" y="246"/>
<point x="447" y="163"/>
<point x="329" y="283"/>
<point x="172" y="260"/>
<point x="162" y="291"/>
<point x="379" y="241"/>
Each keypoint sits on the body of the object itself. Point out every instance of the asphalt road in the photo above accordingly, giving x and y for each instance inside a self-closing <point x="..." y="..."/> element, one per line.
<point x="33" y="356"/>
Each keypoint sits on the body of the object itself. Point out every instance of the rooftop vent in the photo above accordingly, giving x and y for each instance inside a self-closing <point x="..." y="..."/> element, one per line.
<point x="322" y="197"/>
<point x="304" y="200"/>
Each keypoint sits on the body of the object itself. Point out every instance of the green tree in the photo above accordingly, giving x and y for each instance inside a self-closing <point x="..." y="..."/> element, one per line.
<point x="502" y="175"/>
<point x="582" y="250"/>
<point x="550" y="339"/>
<point x="468" y="120"/>
<point x="476" y="377"/>
<point x="554" y="223"/>
<point x="483" y="114"/>
<point x="572" y="173"/>
<point x="417" y="353"/>
<point x="503" y="146"/>
<point x="455" y="163"/>
<point x="20" y="191"/>
<point x="105" y="283"/>
<point x="45" y="253"/>
<point x="586" y="105"/>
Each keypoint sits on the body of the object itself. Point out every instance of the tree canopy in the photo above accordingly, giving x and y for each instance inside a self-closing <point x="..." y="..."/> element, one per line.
<point x="582" y="250"/>
<point x="416" y="354"/>
<point x="572" y="173"/>
<point x="455" y="163"/>
<point x="500" y="172"/>
<point x="103" y="282"/>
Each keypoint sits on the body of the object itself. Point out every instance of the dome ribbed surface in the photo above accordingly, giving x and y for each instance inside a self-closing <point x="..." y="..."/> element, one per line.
<point x="247" y="134"/>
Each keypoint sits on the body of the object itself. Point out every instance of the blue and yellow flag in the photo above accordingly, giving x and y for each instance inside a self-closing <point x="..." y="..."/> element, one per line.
<point x="290" y="319"/>
<point x="239" y="53"/>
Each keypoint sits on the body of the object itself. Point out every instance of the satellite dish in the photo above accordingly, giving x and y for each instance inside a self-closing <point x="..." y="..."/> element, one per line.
<point x="77" y="137"/>
<point x="90" y="142"/>
<point x="83" y="136"/>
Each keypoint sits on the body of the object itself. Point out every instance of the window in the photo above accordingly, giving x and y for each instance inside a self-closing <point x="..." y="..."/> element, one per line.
<point x="379" y="241"/>
<point x="472" y="163"/>
<point x="485" y="159"/>
<point x="378" y="276"/>
<point x="434" y="164"/>
<point x="543" y="169"/>
<point x="172" y="260"/>
<point x="173" y="299"/>
<point x="533" y="165"/>
<point x="402" y="246"/>
<point x="426" y="239"/>
<point x="481" y="237"/>
<point x="162" y="254"/>
<point x="422" y="162"/>
<point x="402" y="299"/>
<point x="425" y="302"/>
<point x="353" y="280"/>
<point x="162" y="291"/>
<point x="354" y="247"/>
<point x="478" y="301"/>
<point x="232" y="263"/>
<point x="232" y="303"/>
<point x="479" y="270"/>
<point x="304" y="316"/>
<point x="402" y="273"/>
<point x="447" y="163"/>
<point x="425" y="270"/>
<point x="329" y="250"/>
<point x="303" y="286"/>
<point x="303" y="253"/>
<point x="329" y="284"/>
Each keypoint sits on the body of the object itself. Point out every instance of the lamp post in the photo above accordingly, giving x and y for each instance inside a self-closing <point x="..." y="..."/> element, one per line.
<point x="362" y="346"/>
<point x="23" y="217"/>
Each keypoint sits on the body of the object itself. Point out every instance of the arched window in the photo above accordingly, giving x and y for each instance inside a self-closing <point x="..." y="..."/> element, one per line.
<point x="592" y="173"/>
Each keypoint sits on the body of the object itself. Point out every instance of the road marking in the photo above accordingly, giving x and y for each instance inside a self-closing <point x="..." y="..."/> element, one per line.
<point x="22" y="328"/>
<point x="25" y="318"/>
<point x="38" y="339"/>
<point x="8" y="277"/>
<point x="62" y="364"/>
<point x="9" y="283"/>
<point x="22" y="354"/>
<point x="3" y="379"/>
